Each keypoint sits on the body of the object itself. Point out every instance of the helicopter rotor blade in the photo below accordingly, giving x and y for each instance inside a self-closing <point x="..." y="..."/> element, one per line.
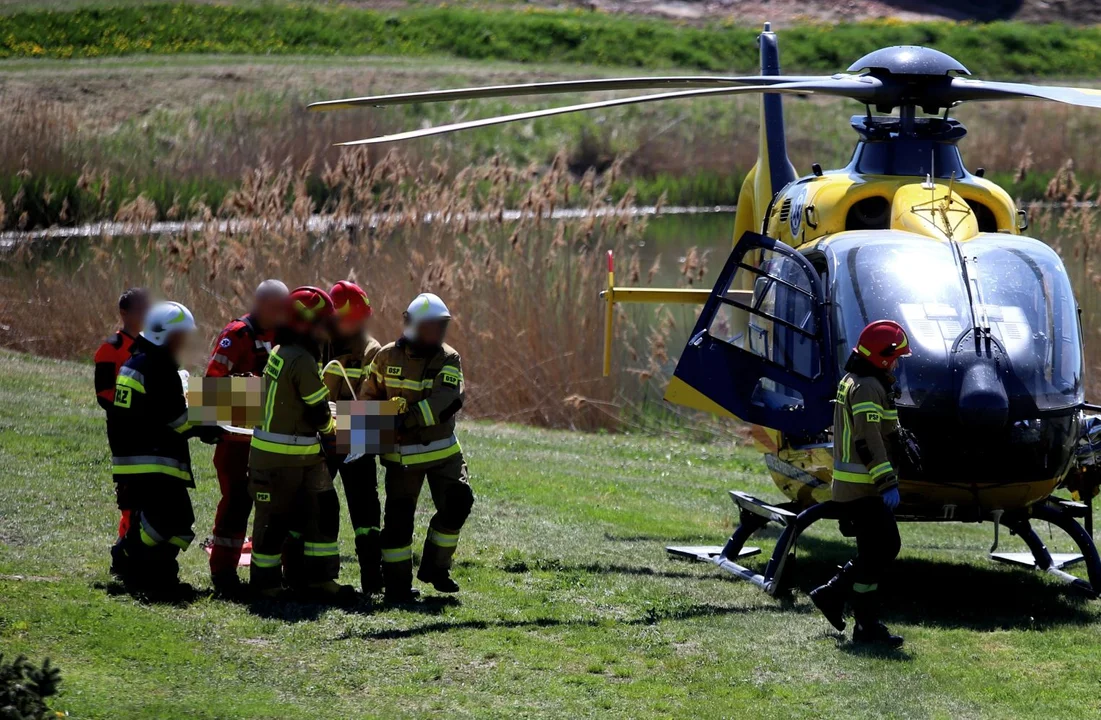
<point x="562" y="86"/>
<point x="965" y="89"/>
<point x="857" y="88"/>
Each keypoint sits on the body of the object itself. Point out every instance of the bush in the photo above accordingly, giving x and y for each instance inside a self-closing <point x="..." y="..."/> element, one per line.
<point x="24" y="688"/>
<point x="533" y="36"/>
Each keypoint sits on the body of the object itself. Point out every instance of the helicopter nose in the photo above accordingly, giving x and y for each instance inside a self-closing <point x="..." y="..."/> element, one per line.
<point x="983" y="402"/>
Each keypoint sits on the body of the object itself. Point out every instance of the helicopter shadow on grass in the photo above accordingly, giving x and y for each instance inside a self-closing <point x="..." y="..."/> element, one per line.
<point x="977" y="594"/>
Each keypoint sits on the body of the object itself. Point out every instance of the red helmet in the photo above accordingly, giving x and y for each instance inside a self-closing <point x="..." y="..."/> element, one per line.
<point x="308" y="306"/>
<point x="350" y="302"/>
<point x="881" y="342"/>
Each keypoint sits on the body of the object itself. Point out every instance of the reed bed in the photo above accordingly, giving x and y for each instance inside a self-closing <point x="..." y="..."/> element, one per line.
<point x="524" y="293"/>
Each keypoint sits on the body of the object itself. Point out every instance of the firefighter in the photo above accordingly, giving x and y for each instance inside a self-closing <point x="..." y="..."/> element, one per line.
<point x="288" y="480"/>
<point x="148" y="430"/>
<point x="866" y="453"/>
<point x="241" y="349"/>
<point x="110" y="357"/>
<point x="115" y="350"/>
<point x="353" y="347"/>
<point x="424" y="375"/>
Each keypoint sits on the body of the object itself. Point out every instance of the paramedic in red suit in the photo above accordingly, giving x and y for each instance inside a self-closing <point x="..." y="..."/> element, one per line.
<point x="241" y="349"/>
<point x="115" y="350"/>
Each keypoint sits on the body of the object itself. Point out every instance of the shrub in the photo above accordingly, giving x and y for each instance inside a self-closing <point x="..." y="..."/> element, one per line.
<point x="24" y="688"/>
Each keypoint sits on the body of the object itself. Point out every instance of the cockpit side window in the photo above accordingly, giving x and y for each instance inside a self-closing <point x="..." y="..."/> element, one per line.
<point x="1025" y="298"/>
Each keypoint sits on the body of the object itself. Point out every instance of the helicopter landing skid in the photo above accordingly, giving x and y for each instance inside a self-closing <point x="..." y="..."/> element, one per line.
<point x="755" y="514"/>
<point x="1064" y="515"/>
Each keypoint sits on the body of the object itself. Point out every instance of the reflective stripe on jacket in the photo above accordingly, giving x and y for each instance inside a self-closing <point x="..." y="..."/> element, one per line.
<point x="147" y="426"/>
<point x="431" y="389"/>
<point x="864" y="417"/>
<point x="296" y="409"/>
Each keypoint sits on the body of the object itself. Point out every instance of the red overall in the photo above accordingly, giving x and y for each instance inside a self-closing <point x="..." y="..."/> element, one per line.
<point x="241" y="349"/>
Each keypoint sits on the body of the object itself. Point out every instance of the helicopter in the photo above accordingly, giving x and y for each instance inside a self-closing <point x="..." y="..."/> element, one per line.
<point x="992" y="398"/>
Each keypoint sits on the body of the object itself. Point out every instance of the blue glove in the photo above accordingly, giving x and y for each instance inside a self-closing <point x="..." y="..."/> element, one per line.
<point x="891" y="498"/>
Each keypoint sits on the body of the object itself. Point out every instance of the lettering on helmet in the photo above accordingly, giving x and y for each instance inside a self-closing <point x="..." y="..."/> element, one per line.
<point x="393" y="370"/>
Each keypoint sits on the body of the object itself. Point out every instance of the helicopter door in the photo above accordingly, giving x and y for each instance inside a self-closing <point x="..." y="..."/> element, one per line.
<point x="758" y="349"/>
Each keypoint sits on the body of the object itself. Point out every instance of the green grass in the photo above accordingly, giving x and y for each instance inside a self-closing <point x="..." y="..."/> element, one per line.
<point x="570" y="607"/>
<point x="530" y="36"/>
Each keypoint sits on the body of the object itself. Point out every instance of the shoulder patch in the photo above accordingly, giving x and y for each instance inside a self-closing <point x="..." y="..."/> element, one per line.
<point x="225" y="342"/>
<point x="448" y="378"/>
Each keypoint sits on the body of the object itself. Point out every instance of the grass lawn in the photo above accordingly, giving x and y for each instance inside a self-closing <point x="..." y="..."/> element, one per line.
<point x="570" y="607"/>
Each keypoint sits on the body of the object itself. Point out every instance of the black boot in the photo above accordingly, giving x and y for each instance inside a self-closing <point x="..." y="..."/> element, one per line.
<point x="876" y="633"/>
<point x="227" y="585"/>
<point x="328" y="592"/>
<point x="369" y="551"/>
<point x="869" y="630"/>
<point x="830" y="598"/>
<point x="435" y="567"/>
<point x="439" y="578"/>
<point x="119" y="560"/>
<point x="294" y="562"/>
<point x="398" y="577"/>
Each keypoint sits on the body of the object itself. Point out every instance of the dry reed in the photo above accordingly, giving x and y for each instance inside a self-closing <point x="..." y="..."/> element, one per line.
<point x="528" y="318"/>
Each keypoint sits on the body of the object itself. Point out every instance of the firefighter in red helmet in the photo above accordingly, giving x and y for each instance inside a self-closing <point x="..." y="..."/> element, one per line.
<point x="352" y="346"/>
<point x="289" y="483"/>
<point x="866" y="453"/>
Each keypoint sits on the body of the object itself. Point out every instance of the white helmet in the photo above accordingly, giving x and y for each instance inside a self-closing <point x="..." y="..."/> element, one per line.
<point x="166" y="319"/>
<point x="424" y="308"/>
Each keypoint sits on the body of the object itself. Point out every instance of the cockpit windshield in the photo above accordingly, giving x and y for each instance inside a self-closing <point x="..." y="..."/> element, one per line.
<point x="1020" y="290"/>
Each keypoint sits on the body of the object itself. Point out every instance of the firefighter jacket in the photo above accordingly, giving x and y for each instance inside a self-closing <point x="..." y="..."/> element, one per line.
<point x="241" y="349"/>
<point x="109" y="359"/>
<point x="429" y="387"/>
<point x="148" y="427"/>
<point x="296" y="408"/>
<point x="355" y="354"/>
<point x="865" y="436"/>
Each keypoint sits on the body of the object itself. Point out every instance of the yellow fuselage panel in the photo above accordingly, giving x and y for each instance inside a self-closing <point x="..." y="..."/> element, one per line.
<point x="814" y="207"/>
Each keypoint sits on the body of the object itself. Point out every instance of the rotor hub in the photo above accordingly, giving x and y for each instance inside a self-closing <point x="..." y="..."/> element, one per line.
<point x="909" y="60"/>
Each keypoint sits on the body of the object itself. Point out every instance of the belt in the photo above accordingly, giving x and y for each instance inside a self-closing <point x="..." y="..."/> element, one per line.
<point x="285" y="444"/>
<point x="426" y="452"/>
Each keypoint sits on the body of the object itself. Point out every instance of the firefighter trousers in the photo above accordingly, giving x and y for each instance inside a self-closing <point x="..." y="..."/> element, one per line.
<point x="297" y="504"/>
<point x="360" y="479"/>
<point x="453" y="498"/>
<point x="161" y="526"/>
<point x="234" y="506"/>
<point x="877" y="545"/>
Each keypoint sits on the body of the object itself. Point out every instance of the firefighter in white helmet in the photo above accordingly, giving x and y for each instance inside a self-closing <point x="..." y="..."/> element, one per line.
<point x="148" y="430"/>
<point x="424" y="375"/>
